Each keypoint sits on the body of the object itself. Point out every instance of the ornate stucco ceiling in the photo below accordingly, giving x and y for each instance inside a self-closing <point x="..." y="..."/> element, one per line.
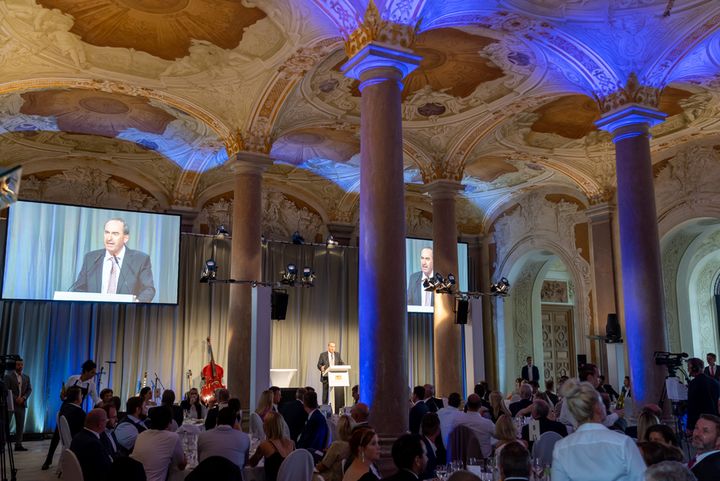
<point x="148" y="95"/>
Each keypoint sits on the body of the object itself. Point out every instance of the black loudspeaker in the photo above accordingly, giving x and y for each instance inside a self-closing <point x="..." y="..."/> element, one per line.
<point x="462" y="307"/>
<point x="279" y="303"/>
<point x="612" y="329"/>
<point x="582" y="360"/>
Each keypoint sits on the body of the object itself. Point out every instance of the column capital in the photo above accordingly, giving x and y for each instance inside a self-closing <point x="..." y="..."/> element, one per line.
<point x="630" y="120"/>
<point x="443" y="189"/>
<point x="600" y="212"/>
<point x="383" y="58"/>
<point x="250" y="163"/>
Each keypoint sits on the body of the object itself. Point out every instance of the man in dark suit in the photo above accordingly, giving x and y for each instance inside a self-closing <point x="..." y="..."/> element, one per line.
<point x="294" y="414"/>
<point x="416" y="295"/>
<point x="418" y="410"/>
<point x="94" y="459"/>
<point x="712" y="369"/>
<point x="74" y="414"/>
<point x="529" y="371"/>
<point x="434" y="446"/>
<point x="706" y="439"/>
<point x="703" y="393"/>
<point x="433" y="403"/>
<point x="524" y="402"/>
<point x="540" y="412"/>
<point x="410" y="458"/>
<point x="116" y="269"/>
<point x="327" y="360"/>
<point x="315" y="434"/>
<point x="19" y="385"/>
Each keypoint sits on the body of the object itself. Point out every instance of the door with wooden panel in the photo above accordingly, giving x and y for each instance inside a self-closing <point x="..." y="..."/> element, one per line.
<point x="558" y="342"/>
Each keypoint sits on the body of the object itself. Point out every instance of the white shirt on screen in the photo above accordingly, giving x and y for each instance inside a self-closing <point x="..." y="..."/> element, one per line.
<point x="107" y="267"/>
<point x="425" y="296"/>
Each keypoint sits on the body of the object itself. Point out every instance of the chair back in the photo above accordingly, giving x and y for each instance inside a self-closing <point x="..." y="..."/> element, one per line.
<point x="463" y="444"/>
<point x="215" y="468"/>
<point x="543" y="447"/>
<point x="298" y="466"/>
<point x="71" y="470"/>
<point x="256" y="426"/>
<point x="65" y="434"/>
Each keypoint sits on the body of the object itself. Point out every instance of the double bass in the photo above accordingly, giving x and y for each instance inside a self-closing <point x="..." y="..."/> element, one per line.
<point x="212" y="375"/>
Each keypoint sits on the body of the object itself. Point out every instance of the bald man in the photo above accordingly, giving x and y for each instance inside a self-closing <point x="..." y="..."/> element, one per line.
<point x="89" y="449"/>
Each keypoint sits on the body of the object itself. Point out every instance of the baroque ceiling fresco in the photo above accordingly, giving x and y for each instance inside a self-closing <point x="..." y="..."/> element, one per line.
<point x="156" y="97"/>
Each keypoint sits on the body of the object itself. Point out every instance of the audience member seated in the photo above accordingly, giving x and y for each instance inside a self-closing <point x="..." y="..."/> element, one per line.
<point x="482" y="428"/>
<point x="706" y="440"/>
<point x="654" y="453"/>
<point x="514" y="395"/>
<point x="360" y="413"/>
<point x="73" y="411"/>
<point x="168" y="399"/>
<point x="550" y="392"/>
<point x="408" y="453"/>
<point x="593" y="448"/>
<point x="264" y="404"/>
<point x="94" y="460"/>
<point x="276" y="397"/>
<point x="418" y="409"/>
<point x="157" y="448"/>
<point x="434" y="447"/>
<point x="662" y="434"/>
<point x="275" y="448"/>
<point x="447" y="416"/>
<point x="192" y="405"/>
<point x="331" y="465"/>
<point x="505" y="433"/>
<point x="540" y="412"/>
<point x="226" y="440"/>
<point x="497" y="407"/>
<point x="669" y="471"/>
<point x="107" y="437"/>
<point x="128" y="429"/>
<point x="222" y="396"/>
<point x="514" y="462"/>
<point x="481" y="390"/>
<point x="236" y="406"/>
<point x="315" y="434"/>
<point x="147" y="401"/>
<point x="215" y="468"/>
<point x="106" y="396"/>
<point x="294" y="414"/>
<point x="524" y="402"/>
<point x="644" y="421"/>
<point x="365" y="450"/>
<point x="355" y="393"/>
<point x="127" y="469"/>
<point x="432" y="402"/>
<point x="463" y="475"/>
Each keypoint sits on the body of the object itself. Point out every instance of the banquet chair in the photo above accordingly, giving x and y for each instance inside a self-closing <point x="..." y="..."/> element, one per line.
<point x="543" y="447"/>
<point x="65" y="440"/>
<point x="298" y="466"/>
<point x="215" y="468"/>
<point x="71" y="470"/>
<point x="256" y="426"/>
<point x="463" y="444"/>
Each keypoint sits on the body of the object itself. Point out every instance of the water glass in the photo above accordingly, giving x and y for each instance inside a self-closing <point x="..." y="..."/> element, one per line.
<point x="442" y="472"/>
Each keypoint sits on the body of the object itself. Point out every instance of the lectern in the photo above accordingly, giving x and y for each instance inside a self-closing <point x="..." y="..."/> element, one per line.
<point x="338" y="376"/>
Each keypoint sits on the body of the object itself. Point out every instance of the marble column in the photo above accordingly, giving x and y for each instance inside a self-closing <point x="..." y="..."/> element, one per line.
<point x="246" y="264"/>
<point x="382" y="302"/>
<point x="640" y="247"/>
<point x="447" y="346"/>
<point x="490" y="347"/>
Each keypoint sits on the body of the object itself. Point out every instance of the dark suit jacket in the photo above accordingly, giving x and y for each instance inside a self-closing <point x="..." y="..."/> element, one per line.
<point x="708" y="468"/>
<point x="545" y="426"/>
<point x="75" y="417"/>
<point x="135" y="276"/>
<point x="211" y="417"/>
<point x="434" y="458"/>
<point x="703" y="393"/>
<point x="315" y="433"/>
<point x="414" y="290"/>
<point x="402" y="475"/>
<point x="94" y="459"/>
<point x="295" y="416"/>
<point x="12" y="384"/>
<point x="416" y="414"/>
<point x="519" y="406"/>
<point x="536" y="373"/>
<point x="717" y="372"/>
<point x="324" y="361"/>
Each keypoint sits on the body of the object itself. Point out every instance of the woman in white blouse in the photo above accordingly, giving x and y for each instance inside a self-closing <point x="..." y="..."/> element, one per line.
<point x="593" y="452"/>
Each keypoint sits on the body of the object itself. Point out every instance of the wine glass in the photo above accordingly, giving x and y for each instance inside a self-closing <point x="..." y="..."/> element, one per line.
<point x="538" y="468"/>
<point x="442" y="472"/>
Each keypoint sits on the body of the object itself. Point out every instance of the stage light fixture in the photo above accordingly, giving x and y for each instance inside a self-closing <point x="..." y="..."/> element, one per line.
<point x="221" y="232"/>
<point x="209" y="271"/>
<point x="331" y="242"/>
<point x="308" y="277"/>
<point x="10" y="186"/>
<point x="500" y="288"/>
<point x="297" y="238"/>
<point x="289" y="275"/>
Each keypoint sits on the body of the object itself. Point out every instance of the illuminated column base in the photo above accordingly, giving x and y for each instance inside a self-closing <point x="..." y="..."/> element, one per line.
<point x="246" y="264"/>
<point x="447" y="347"/>
<point x="382" y="302"/>
<point x="639" y="247"/>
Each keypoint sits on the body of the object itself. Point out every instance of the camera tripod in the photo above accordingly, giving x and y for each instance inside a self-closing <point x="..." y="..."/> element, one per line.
<point x="677" y="408"/>
<point x="5" y="448"/>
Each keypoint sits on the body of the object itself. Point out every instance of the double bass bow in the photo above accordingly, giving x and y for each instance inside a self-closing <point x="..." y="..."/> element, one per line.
<point x="212" y="374"/>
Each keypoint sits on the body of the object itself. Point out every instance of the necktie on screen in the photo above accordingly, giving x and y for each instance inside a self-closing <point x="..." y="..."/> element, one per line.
<point x="112" y="282"/>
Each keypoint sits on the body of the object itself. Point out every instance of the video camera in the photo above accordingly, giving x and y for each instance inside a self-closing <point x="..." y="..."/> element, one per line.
<point x="7" y="361"/>
<point x="671" y="360"/>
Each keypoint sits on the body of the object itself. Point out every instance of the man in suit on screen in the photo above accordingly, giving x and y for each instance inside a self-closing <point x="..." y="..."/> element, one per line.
<point x="116" y="269"/>
<point x="416" y="295"/>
